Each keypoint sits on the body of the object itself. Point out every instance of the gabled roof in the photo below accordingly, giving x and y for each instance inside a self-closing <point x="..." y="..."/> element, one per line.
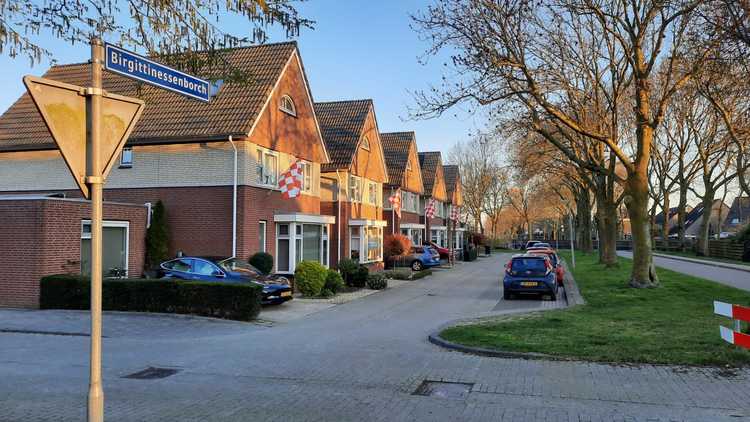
<point x="342" y="123"/>
<point x="740" y="209"/>
<point x="452" y="177"/>
<point x="397" y="147"/>
<point x="659" y="218"/>
<point x="167" y="117"/>
<point x="429" y="162"/>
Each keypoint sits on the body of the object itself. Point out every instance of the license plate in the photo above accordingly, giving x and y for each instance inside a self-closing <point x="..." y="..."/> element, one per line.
<point x="528" y="283"/>
<point x="286" y="294"/>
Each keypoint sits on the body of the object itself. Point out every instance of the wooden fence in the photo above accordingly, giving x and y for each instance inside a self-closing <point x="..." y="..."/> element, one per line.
<point x="727" y="249"/>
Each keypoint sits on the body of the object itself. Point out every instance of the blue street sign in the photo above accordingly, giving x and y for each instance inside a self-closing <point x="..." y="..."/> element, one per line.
<point x="146" y="70"/>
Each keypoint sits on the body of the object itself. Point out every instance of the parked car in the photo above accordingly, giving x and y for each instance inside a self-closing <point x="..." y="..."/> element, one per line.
<point x="529" y="274"/>
<point x="276" y="289"/>
<point x="556" y="263"/>
<point x="422" y="257"/>
<point x="538" y="245"/>
<point x="531" y="243"/>
<point x="445" y="253"/>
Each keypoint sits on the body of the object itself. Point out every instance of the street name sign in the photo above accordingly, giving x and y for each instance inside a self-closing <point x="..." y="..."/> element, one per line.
<point x="63" y="109"/>
<point x="137" y="67"/>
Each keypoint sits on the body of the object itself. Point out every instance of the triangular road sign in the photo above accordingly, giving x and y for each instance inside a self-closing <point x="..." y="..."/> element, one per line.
<point x="63" y="108"/>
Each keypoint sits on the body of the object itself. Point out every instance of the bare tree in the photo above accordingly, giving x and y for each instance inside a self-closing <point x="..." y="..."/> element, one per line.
<point x="525" y="53"/>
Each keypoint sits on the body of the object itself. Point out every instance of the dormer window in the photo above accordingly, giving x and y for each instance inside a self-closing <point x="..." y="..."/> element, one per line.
<point x="365" y="144"/>
<point x="287" y="106"/>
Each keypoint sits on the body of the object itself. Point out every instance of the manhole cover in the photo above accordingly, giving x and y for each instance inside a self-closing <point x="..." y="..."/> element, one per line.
<point x="152" y="373"/>
<point x="445" y="390"/>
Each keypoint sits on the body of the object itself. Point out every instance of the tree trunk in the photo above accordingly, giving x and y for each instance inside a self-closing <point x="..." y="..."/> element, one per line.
<point x="583" y="222"/>
<point x="682" y="215"/>
<point x="665" y="225"/>
<point x="606" y="212"/>
<point x="703" y="236"/>
<point x="643" y="273"/>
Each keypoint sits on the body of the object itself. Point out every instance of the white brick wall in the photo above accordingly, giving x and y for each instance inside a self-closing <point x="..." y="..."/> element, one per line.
<point x="186" y="165"/>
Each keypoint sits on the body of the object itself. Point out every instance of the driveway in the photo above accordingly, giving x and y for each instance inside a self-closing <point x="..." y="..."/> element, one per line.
<point x="730" y="277"/>
<point x="361" y="360"/>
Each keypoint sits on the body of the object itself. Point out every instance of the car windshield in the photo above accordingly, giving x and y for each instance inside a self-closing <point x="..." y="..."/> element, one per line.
<point x="236" y="266"/>
<point x="528" y="266"/>
<point x="552" y="257"/>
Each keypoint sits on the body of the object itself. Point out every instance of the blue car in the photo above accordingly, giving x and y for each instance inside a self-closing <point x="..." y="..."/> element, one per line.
<point x="424" y="257"/>
<point x="529" y="274"/>
<point x="276" y="289"/>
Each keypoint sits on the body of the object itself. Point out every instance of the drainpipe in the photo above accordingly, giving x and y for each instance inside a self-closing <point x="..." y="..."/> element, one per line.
<point x="338" y="218"/>
<point x="234" y="200"/>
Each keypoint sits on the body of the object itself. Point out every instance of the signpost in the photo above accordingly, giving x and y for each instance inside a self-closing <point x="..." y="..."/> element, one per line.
<point x="90" y="127"/>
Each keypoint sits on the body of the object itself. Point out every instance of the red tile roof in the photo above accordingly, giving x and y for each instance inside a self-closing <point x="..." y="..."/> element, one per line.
<point x="429" y="162"/>
<point x="167" y="116"/>
<point x="342" y="123"/>
<point x="396" y="148"/>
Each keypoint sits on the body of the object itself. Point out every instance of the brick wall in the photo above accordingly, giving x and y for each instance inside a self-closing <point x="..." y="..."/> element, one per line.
<point x="43" y="236"/>
<point x="406" y="218"/>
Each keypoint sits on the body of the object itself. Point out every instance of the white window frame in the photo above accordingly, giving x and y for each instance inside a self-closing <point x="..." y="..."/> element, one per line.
<point x="284" y="105"/>
<point x="363" y="244"/>
<point x="111" y="223"/>
<point x="294" y="237"/>
<point x="355" y="188"/>
<point x="126" y="164"/>
<point x="372" y="193"/>
<point x="264" y="172"/>
<point x="307" y="170"/>
<point x="264" y="230"/>
<point x="365" y="144"/>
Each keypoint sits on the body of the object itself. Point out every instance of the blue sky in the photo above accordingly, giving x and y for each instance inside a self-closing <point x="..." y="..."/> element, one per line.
<point x="358" y="49"/>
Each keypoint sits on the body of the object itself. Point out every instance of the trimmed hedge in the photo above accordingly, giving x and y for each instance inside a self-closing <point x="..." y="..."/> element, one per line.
<point x="310" y="277"/>
<point x="219" y="300"/>
<point x="377" y="281"/>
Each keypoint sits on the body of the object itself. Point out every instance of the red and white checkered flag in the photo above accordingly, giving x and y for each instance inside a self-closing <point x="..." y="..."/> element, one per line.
<point x="290" y="181"/>
<point x="429" y="209"/>
<point x="395" y="200"/>
<point x="454" y="213"/>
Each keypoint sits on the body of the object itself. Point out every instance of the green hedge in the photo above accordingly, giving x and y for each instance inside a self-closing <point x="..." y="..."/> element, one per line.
<point x="219" y="300"/>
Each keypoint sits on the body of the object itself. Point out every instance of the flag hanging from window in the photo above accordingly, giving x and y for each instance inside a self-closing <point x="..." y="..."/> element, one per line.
<point x="290" y="181"/>
<point x="429" y="209"/>
<point x="454" y="213"/>
<point x="395" y="200"/>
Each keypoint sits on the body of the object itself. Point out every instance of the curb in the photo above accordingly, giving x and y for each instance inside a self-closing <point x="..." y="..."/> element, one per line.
<point x="572" y="297"/>
<point x="702" y="262"/>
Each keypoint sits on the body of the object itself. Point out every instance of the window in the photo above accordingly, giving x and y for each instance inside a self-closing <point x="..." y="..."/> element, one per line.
<point x="114" y="248"/>
<point x="372" y="193"/>
<point x="365" y="144"/>
<point x="261" y="236"/>
<point x="354" y="243"/>
<point x="282" y="247"/>
<point x="267" y="170"/>
<point x="408" y="165"/>
<point x="374" y="243"/>
<point x="307" y="242"/>
<point x="306" y="176"/>
<point x="434" y="237"/>
<point x="311" y="242"/>
<point x="287" y="106"/>
<point x="126" y="158"/>
<point x="355" y="192"/>
<point x="202" y="267"/>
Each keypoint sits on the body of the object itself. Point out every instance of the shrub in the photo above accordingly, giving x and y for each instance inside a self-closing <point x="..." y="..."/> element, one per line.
<point x="395" y="245"/>
<point x="262" y="261"/>
<point x="420" y="274"/>
<point x="310" y="277"/>
<point x="359" y="279"/>
<point x="398" y="274"/>
<point x="157" y="237"/>
<point x="470" y="254"/>
<point x="377" y="281"/>
<point x="334" y="283"/>
<point x="477" y="238"/>
<point x="219" y="300"/>
<point x="348" y="268"/>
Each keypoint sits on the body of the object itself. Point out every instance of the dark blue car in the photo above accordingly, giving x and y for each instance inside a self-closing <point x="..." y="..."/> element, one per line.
<point x="276" y="289"/>
<point x="529" y="273"/>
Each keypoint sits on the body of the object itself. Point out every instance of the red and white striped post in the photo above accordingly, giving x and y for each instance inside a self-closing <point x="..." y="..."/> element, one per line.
<point x="737" y="313"/>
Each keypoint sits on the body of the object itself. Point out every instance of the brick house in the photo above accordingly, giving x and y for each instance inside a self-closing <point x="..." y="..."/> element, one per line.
<point x="436" y="230"/>
<point x="405" y="174"/>
<point x="455" y="199"/>
<point x="352" y="182"/>
<point x="188" y="155"/>
<point x="738" y="216"/>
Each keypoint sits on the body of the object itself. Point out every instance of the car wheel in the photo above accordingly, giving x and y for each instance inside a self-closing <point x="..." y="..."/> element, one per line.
<point x="416" y="266"/>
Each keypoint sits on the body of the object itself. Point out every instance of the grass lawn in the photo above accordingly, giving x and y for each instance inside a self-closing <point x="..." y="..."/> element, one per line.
<point x="705" y="258"/>
<point x="671" y="324"/>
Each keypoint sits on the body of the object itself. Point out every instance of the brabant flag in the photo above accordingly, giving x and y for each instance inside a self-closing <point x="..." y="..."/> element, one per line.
<point x="429" y="209"/>
<point x="395" y="200"/>
<point x="290" y="181"/>
<point x="454" y="213"/>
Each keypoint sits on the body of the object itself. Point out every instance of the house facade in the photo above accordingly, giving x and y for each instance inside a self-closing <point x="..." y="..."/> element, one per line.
<point x="718" y="216"/>
<point x="209" y="163"/>
<point x="738" y="216"/>
<point x="455" y="200"/>
<point x="436" y="229"/>
<point x="352" y="182"/>
<point x="404" y="176"/>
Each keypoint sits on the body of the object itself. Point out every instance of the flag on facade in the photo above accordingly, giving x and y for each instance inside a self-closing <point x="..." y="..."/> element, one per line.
<point x="290" y="181"/>
<point x="395" y="200"/>
<point x="454" y="213"/>
<point x="429" y="209"/>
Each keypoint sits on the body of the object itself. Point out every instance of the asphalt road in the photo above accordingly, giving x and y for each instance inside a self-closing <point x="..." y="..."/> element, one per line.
<point x="362" y="360"/>
<point x="730" y="277"/>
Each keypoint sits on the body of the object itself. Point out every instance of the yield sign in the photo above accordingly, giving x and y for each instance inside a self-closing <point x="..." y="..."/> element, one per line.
<point x="63" y="108"/>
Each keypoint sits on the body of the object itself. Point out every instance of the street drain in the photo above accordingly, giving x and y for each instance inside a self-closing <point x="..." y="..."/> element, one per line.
<point x="444" y="390"/>
<point x="152" y="373"/>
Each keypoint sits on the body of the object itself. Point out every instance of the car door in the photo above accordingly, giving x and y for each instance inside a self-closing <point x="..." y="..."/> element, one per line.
<point x="180" y="268"/>
<point x="204" y="270"/>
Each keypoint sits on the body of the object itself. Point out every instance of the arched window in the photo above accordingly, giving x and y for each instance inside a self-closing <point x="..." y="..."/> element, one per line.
<point x="365" y="144"/>
<point x="287" y="105"/>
